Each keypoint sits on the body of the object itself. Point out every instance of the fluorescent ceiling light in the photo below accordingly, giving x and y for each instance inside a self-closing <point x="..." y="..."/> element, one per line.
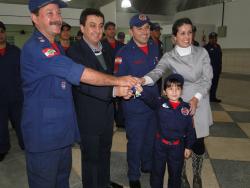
<point x="126" y="4"/>
<point x="66" y="0"/>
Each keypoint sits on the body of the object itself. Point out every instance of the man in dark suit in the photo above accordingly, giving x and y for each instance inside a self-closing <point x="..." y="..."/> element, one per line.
<point x="94" y="105"/>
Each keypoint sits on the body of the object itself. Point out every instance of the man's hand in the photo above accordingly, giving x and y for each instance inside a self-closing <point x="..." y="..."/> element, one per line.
<point x="193" y="105"/>
<point x="123" y="91"/>
<point x="187" y="153"/>
<point x="127" y="81"/>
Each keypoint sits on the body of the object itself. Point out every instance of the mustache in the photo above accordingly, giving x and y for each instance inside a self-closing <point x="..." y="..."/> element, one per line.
<point x="58" y="23"/>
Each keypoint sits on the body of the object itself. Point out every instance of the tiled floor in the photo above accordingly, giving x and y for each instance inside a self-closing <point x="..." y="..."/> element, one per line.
<point x="227" y="163"/>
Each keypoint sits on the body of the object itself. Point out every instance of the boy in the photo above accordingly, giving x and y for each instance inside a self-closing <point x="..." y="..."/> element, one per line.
<point x="176" y="133"/>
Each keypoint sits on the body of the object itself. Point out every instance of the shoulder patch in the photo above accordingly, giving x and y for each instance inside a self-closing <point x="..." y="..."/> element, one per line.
<point x="118" y="61"/>
<point x="49" y="52"/>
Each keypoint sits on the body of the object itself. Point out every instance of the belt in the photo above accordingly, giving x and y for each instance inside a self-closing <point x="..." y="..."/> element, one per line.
<point x="168" y="142"/>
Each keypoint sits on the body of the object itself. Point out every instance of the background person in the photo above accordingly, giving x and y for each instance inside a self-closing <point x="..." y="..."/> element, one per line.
<point x="110" y="43"/>
<point x="121" y="37"/>
<point x="49" y="124"/>
<point x="193" y="63"/>
<point x="65" y="35"/>
<point x="11" y="95"/>
<point x="215" y="54"/>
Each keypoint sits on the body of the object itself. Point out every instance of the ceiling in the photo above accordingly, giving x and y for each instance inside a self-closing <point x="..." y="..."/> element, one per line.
<point x="158" y="7"/>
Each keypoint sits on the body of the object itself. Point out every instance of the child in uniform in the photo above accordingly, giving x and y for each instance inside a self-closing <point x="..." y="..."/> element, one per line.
<point x="176" y="133"/>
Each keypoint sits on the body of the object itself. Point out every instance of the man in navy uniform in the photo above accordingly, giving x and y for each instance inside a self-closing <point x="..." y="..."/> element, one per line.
<point x="49" y="124"/>
<point x="215" y="54"/>
<point x="11" y="96"/>
<point x="155" y="34"/>
<point x="138" y="57"/>
<point x="109" y="42"/>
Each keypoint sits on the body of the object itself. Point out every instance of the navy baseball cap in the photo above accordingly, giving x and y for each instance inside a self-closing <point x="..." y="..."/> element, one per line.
<point x="36" y="4"/>
<point x="139" y="20"/>
<point x="155" y="26"/>
<point x="121" y="35"/>
<point x="212" y="35"/>
<point x="2" y="26"/>
<point x="174" y="76"/>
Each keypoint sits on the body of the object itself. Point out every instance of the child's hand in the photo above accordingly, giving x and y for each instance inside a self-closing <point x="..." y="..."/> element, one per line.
<point x="187" y="153"/>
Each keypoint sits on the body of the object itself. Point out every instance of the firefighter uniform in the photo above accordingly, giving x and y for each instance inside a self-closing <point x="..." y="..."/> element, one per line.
<point x="140" y="120"/>
<point x="49" y="124"/>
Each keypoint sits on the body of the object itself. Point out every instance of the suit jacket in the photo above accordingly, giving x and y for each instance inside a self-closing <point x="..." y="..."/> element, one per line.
<point x="93" y="104"/>
<point x="197" y="72"/>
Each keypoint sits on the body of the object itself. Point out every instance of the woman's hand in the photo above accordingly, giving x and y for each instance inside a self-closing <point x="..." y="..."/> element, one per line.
<point x="193" y="105"/>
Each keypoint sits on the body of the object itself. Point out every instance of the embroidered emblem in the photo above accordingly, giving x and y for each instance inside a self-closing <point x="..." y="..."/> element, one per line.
<point x="49" y="52"/>
<point x="164" y="105"/>
<point x="63" y="85"/>
<point x="156" y="60"/>
<point x="142" y="17"/>
<point x="118" y="61"/>
<point x="184" y="111"/>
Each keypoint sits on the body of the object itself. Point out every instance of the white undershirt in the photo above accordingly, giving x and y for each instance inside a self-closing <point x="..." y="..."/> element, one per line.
<point x="183" y="51"/>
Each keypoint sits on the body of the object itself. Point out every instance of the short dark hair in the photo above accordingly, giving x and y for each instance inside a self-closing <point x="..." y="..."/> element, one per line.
<point x="172" y="81"/>
<point x="178" y="23"/>
<point x="109" y="24"/>
<point x="90" y="11"/>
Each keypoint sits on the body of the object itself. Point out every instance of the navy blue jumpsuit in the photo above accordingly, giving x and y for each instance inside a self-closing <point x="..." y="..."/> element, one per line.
<point x="215" y="54"/>
<point x="11" y="96"/>
<point x="175" y="132"/>
<point x="49" y="124"/>
<point x="140" y="120"/>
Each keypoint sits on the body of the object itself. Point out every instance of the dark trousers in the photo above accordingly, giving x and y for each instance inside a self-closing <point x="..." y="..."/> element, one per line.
<point x="10" y="111"/>
<point x="214" y="86"/>
<point x="173" y="156"/>
<point x="119" y="118"/>
<point x="95" y="152"/>
<point x="140" y="130"/>
<point x="49" y="169"/>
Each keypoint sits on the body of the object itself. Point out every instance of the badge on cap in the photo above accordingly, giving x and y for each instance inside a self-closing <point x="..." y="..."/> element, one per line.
<point x="142" y="17"/>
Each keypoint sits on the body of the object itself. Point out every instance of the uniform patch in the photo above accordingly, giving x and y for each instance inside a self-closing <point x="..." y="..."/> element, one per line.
<point x="63" y="85"/>
<point x="185" y="111"/>
<point x="49" y="52"/>
<point x="118" y="61"/>
<point x="164" y="105"/>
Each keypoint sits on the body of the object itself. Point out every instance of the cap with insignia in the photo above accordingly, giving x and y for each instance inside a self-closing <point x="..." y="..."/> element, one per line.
<point x="36" y="4"/>
<point x="155" y="26"/>
<point x="139" y="20"/>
